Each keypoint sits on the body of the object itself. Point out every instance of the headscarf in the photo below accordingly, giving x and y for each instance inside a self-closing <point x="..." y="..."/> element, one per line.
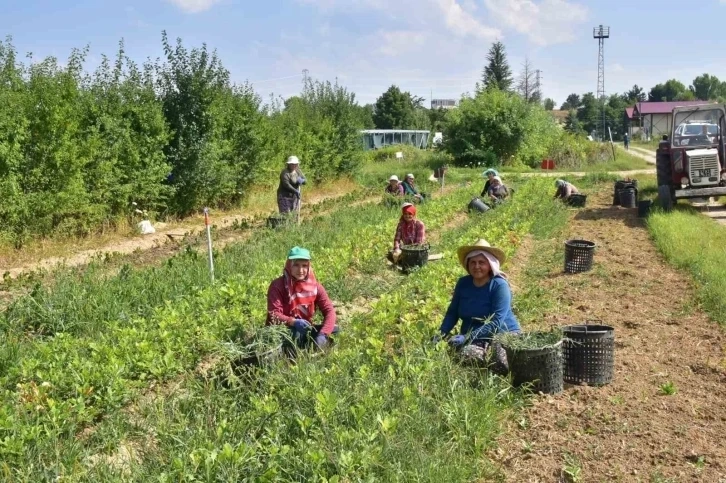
<point x="407" y="228"/>
<point x="493" y="262"/>
<point x="560" y="183"/>
<point x="497" y="178"/>
<point x="302" y="293"/>
<point x="490" y="171"/>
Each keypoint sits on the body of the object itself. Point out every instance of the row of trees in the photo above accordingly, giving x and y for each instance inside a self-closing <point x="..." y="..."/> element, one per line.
<point x="76" y="149"/>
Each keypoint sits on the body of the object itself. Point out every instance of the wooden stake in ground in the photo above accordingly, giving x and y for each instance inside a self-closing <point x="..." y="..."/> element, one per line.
<point x="209" y="243"/>
<point x="299" y="205"/>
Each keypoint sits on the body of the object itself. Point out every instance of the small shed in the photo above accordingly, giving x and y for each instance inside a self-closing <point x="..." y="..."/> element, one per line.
<point x="379" y="138"/>
<point x="653" y="119"/>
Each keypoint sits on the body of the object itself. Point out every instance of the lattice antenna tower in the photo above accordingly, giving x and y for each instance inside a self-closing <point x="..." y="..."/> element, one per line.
<point x="601" y="33"/>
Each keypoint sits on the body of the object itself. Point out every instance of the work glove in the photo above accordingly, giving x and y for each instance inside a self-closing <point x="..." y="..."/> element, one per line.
<point x="297" y="193"/>
<point x="301" y="325"/>
<point x="457" y="341"/>
<point x="301" y="180"/>
<point x="321" y="341"/>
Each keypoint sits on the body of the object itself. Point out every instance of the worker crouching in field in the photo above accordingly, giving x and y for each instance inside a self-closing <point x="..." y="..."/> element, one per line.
<point x="293" y="298"/>
<point x="409" y="231"/>
<point x="497" y="192"/>
<point x="394" y="186"/>
<point x="288" y="191"/>
<point x="489" y="174"/>
<point x="410" y="189"/>
<point x="565" y="190"/>
<point x="482" y="300"/>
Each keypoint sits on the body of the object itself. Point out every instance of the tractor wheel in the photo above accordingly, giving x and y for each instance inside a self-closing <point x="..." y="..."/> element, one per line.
<point x="665" y="197"/>
<point x="663" y="168"/>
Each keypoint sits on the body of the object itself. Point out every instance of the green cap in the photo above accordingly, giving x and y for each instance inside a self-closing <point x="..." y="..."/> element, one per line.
<point x="298" y="253"/>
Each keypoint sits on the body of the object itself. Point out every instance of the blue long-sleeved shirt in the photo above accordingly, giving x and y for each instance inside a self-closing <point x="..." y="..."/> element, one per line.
<point x="493" y="299"/>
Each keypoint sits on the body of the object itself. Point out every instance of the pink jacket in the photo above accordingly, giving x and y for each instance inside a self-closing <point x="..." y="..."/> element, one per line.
<point x="278" y="306"/>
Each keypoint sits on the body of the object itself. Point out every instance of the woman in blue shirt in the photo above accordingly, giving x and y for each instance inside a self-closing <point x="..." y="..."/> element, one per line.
<point x="482" y="299"/>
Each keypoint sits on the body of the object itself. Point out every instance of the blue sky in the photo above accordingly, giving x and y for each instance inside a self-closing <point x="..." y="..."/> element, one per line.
<point x="420" y="45"/>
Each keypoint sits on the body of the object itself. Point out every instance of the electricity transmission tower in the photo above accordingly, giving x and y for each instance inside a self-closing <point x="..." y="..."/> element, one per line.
<point x="601" y="33"/>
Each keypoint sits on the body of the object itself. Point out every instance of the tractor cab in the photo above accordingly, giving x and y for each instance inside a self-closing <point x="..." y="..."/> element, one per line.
<point x="693" y="163"/>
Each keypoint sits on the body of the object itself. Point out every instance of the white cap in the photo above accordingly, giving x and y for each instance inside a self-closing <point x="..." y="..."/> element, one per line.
<point x="393" y="178"/>
<point x="293" y="160"/>
<point x="410" y="175"/>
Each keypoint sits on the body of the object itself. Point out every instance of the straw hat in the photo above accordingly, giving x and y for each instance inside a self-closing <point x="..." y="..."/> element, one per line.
<point x="293" y="160"/>
<point x="483" y="245"/>
<point x="393" y="178"/>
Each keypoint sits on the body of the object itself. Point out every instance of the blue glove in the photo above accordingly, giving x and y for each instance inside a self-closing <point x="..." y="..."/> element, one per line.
<point x="301" y="325"/>
<point x="297" y="193"/>
<point x="457" y="340"/>
<point x="302" y="180"/>
<point x="321" y="341"/>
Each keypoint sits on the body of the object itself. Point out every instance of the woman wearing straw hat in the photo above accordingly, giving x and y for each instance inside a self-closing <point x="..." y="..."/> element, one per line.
<point x="293" y="298"/>
<point x="394" y="186"/>
<point x="482" y="300"/>
<point x="288" y="191"/>
<point x="409" y="231"/>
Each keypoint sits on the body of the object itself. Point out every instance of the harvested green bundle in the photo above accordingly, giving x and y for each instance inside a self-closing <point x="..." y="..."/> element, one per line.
<point x="529" y="340"/>
<point x="257" y="341"/>
<point x="416" y="247"/>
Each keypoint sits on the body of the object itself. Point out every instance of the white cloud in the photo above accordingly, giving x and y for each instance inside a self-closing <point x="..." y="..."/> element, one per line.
<point x="463" y="23"/>
<point x="617" y="68"/>
<point x="545" y="23"/>
<point x="454" y="16"/>
<point x="400" y="41"/>
<point x="194" y="6"/>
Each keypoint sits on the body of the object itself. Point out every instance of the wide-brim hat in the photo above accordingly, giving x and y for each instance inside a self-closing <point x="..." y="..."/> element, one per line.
<point x="482" y="245"/>
<point x="293" y="160"/>
<point x="393" y="178"/>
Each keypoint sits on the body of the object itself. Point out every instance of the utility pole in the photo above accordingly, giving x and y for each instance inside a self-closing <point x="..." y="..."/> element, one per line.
<point x="305" y="76"/>
<point x="601" y="33"/>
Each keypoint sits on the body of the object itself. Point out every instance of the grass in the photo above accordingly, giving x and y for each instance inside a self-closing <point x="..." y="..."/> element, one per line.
<point x="384" y="405"/>
<point x="694" y="243"/>
<point x="667" y="389"/>
<point x="530" y="340"/>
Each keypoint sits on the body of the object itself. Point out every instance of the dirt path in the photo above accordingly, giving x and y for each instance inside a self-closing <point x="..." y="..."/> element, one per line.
<point x="714" y="210"/>
<point x="630" y="430"/>
<point x="643" y="154"/>
<point x="161" y="241"/>
<point x="553" y="174"/>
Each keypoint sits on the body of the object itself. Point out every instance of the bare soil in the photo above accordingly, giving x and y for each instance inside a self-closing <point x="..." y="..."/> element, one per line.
<point x="629" y="430"/>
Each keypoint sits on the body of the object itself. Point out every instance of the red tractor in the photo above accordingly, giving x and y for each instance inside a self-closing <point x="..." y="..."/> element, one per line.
<point x="693" y="163"/>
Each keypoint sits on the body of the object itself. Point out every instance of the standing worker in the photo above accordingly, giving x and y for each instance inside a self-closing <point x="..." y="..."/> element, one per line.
<point x="288" y="192"/>
<point x="626" y="141"/>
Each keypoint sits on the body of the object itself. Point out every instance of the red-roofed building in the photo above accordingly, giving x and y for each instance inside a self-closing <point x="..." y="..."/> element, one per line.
<point x="654" y="119"/>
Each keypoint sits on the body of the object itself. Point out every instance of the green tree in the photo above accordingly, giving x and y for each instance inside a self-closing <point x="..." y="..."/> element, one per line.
<point x="437" y="119"/>
<point x="706" y="87"/>
<point x="549" y="104"/>
<point x="589" y="113"/>
<point x="498" y="127"/>
<point x="572" y="102"/>
<point x="672" y="90"/>
<point x="497" y="73"/>
<point x="394" y="109"/>
<point x="572" y="124"/>
<point x="635" y="94"/>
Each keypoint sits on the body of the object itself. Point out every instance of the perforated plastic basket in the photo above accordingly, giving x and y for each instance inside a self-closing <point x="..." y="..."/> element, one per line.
<point x="578" y="255"/>
<point x="589" y="354"/>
